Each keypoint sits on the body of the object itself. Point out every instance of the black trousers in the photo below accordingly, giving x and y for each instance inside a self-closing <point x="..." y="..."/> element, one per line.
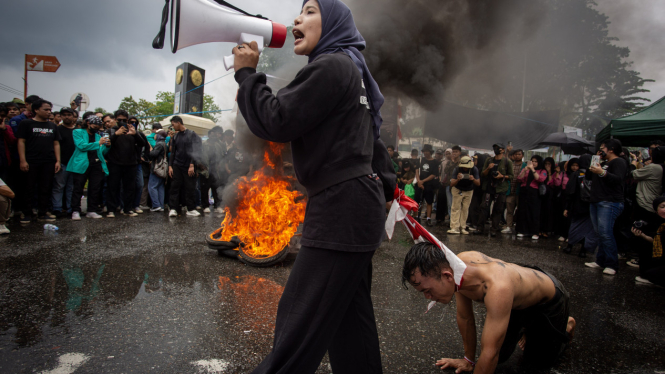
<point x="208" y="184"/>
<point x="326" y="306"/>
<point x="544" y="326"/>
<point x="125" y="174"/>
<point x="499" y="200"/>
<point x="95" y="174"/>
<point x="39" y="178"/>
<point x="528" y="212"/>
<point x="182" y="180"/>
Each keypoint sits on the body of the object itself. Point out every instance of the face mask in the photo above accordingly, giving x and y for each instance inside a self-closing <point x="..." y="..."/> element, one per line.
<point x="93" y="130"/>
<point x="497" y="151"/>
<point x="603" y="154"/>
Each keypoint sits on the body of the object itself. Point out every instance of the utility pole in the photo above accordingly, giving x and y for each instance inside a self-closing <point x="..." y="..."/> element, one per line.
<point x="25" y="78"/>
<point x="524" y="82"/>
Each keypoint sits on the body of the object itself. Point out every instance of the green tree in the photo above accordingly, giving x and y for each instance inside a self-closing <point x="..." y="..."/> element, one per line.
<point x="149" y="112"/>
<point x="100" y="110"/>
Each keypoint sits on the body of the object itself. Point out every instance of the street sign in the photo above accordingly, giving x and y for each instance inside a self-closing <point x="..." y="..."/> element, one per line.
<point x="82" y="101"/>
<point x="47" y="64"/>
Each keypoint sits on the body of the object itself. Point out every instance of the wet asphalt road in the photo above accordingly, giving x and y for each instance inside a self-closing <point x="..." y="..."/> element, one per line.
<point x="145" y="294"/>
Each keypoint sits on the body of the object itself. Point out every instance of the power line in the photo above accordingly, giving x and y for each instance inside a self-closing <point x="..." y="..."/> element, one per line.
<point x="173" y="114"/>
<point x="10" y="91"/>
<point x="11" y="88"/>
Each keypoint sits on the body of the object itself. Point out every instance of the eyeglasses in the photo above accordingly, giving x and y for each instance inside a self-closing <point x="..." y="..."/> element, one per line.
<point x="132" y="122"/>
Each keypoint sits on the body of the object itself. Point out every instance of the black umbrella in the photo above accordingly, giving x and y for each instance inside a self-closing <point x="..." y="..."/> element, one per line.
<point x="570" y="143"/>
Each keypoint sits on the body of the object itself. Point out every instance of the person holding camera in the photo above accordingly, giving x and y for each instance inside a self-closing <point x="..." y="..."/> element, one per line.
<point x="427" y="181"/>
<point x="465" y="176"/>
<point x="499" y="171"/>
<point x="649" y="186"/>
<point x="122" y="165"/>
<point x="528" y="212"/>
<point x="87" y="164"/>
<point x="607" y="198"/>
<point x="650" y="248"/>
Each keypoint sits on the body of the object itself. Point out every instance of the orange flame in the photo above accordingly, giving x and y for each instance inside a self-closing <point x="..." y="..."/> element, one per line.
<point x="268" y="215"/>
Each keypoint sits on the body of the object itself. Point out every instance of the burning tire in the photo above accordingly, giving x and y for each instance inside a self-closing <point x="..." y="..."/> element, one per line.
<point x="263" y="262"/>
<point x="223" y="248"/>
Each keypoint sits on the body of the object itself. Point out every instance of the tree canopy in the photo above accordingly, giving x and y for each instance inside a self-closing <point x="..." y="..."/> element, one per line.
<point x="153" y="111"/>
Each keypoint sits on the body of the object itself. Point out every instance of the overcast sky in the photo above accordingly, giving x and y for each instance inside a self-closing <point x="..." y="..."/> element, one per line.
<point x="105" y="47"/>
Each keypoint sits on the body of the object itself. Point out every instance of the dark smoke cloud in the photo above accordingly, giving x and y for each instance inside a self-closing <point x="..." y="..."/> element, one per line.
<point x="419" y="47"/>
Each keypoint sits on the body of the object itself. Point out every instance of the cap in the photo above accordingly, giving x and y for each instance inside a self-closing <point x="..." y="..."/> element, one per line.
<point x="439" y="151"/>
<point x="94" y="120"/>
<point x="66" y="110"/>
<point x="17" y="101"/>
<point x="499" y="145"/>
<point x="466" y="162"/>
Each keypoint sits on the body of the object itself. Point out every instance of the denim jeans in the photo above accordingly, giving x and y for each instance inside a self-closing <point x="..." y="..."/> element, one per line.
<point x="63" y="186"/>
<point x="603" y="216"/>
<point x="156" y="190"/>
<point x="449" y="196"/>
<point x="139" y="186"/>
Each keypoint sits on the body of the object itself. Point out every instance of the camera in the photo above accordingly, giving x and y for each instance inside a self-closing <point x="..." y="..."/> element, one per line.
<point x="639" y="224"/>
<point x="495" y="173"/>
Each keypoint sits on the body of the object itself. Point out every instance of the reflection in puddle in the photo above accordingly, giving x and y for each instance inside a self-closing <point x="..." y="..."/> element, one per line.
<point x="254" y="301"/>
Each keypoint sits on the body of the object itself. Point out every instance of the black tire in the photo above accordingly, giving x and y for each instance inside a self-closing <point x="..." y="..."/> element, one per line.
<point x="263" y="262"/>
<point x="218" y="244"/>
<point x="230" y="253"/>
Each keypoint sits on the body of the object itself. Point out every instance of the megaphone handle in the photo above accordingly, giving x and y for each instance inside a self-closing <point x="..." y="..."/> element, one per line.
<point x="229" y="62"/>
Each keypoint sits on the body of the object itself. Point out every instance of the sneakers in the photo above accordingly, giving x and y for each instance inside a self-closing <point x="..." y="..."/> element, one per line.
<point x="638" y="279"/>
<point x="131" y="213"/>
<point x="193" y="213"/>
<point x="609" y="271"/>
<point x="50" y="215"/>
<point x="110" y="215"/>
<point x="535" y="237"/>
<point x="76" y="216"/>
<point x="520" y="235"/>
<point x="93" y="215"/>
<point x="454" y="231"/>
<point x="634" y="263"/>
<point x="592" y="265"/>
<point x="144" y="208"/>
<point x="104" y="210"/>
<point x="471" y="228"/>
<point x="206" y="210"/>
<point x="562" y="239"/>
<point x="138" y="210"/>
<point x="158" y="209"/>
<point x="507" y="230"/>
<point x="429" y="223"/>
<point x="464" y="232"/>
<point x="219" y="210"/>
<point x="4" y="230"/>
<point x="622" y="256"/>
<point x="173" y="213"/>
<point x="198" y="207"/>
<point x="46" y="218"/>
<point x="25" y="219"/>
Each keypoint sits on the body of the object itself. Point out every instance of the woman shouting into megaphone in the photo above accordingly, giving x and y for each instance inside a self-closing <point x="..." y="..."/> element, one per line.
<point x="330" y="114"/>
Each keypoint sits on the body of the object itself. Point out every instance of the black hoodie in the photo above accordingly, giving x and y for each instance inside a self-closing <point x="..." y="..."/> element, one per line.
<point x="123" y="148"/>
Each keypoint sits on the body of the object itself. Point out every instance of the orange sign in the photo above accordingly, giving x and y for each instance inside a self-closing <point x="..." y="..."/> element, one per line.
<point x="48" y="64"/>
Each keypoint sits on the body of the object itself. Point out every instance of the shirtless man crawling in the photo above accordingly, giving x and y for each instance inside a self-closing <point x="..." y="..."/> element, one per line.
<point x="524" y="305"/>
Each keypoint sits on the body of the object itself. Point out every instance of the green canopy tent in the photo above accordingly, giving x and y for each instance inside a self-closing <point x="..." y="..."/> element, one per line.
<point x="638" y="129"/>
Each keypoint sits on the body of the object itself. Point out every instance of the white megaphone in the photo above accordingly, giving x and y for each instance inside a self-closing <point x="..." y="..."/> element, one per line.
<point x="201" y="21"/>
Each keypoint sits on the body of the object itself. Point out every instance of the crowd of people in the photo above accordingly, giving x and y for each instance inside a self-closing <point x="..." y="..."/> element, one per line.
<point x="611" y="202"/>
<point x="48" y="159"/>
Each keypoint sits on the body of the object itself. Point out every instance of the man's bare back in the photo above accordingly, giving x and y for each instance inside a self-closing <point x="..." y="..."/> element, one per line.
<point x="530" y="287"/>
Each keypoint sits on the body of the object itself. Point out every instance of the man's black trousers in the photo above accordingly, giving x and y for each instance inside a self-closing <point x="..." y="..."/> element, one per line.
<point x="127" y="175"/>
<point x="497" y="211"/>
<point x="40" y="174"/>
<point x="326" y="306"/>
<point x="209" y="184"/>
<point x="179" y="181"/>
<point x="94" y="175"/>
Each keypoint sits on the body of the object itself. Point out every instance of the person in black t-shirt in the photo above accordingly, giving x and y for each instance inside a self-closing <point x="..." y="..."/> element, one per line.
<point x="427" y="177"/>
<point x="39" y="153"/>
<point x="607" y="203"/>
<point x="63" y="182"/>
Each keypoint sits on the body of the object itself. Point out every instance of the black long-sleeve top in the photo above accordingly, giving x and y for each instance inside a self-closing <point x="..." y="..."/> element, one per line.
<point x="323" y="112"/>
<point x="123" y="148"/>
<point x="611" y="186"/>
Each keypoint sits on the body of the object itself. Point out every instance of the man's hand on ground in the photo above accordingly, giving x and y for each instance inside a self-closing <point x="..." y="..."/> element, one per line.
<point x="460" y="365"/>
